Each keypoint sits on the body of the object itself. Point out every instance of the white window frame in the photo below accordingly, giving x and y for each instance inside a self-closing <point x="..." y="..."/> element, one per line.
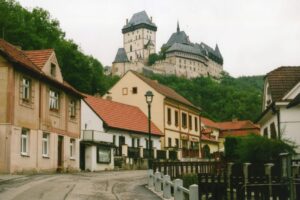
<point x="72" y="148"/>
<point x="72" y="108"/>
<point x="45" y="144"/>
<point x="24" y="142"/>
<point x="26" y="88"/>
<point x="53" y="100"/>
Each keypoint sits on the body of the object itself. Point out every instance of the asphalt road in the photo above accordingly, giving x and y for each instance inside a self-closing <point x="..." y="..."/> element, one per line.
<point x="122" y="185"/>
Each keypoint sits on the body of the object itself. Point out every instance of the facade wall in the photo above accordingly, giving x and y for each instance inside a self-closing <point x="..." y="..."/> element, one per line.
<point x="89" y="120"/>
<point x="91" y="163"/>
<point x="120" y="69"/>
<point x="213" y="146"/>
<point x="127" y="83"/>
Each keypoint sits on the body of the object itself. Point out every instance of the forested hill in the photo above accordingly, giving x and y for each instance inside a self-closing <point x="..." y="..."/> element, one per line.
<point x="225" y="100"/>
<point x="37" y="30"/>
<point x="231" y="98"/>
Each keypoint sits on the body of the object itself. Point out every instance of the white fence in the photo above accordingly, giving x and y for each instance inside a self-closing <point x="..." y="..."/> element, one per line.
<point x="162" y="185"/>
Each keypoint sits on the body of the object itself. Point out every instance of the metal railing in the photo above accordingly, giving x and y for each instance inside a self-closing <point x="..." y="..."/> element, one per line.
<point x="163" y="185"/>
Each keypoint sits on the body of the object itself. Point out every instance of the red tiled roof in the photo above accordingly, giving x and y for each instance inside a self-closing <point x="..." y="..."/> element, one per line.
<point x="209" y="123"/>
<point x="239" y="132"/>
<point x="164" y="90"/>
<point x="282" y="80"/>
<point x="121" y="116"/>
<point x="20" y="57"/>
<point x="235" y="125"/>
<point x="39" y="57"/>
<point x="208" y="138"/>
<point x="206" y="130"/>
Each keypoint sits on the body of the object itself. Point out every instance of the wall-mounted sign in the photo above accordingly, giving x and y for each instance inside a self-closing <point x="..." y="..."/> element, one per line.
<point x="103" y="154"/>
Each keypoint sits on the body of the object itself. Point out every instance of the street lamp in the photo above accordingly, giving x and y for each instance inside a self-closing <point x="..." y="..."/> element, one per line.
<point x="149" y="97"/>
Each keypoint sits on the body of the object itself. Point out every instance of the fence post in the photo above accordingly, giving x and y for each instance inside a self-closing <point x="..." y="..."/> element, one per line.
<point x="246" y="174"/>
<point x="154" y="153"/>
<point x="229" y="172"/>
<point x="193" y="195"/>
<point x="150" y="178"/>
<point x="287" y="172"/>
<point x="167" y="154"/>
<point x="178" y="194"/>
<point x="157" y="182"/>
<point x="141" y="152"/>
<point x="268" y="172"/>
<point x="166" y="187"/>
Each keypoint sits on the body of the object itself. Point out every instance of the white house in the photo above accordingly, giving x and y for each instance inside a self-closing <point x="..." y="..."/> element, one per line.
<point x="281" y="104"/>
<point x="107" y="124"/>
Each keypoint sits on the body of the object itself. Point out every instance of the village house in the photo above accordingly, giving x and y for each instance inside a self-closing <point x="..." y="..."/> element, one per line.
<point x="175" y="116"/>
<point x="107" y="124"/>
<point x="281" y="109"/>
<point x="39" y="113"/>
<point x="220" y="130"/>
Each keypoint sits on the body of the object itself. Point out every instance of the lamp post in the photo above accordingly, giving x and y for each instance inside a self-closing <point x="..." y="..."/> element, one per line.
<point x="149" y="97"/>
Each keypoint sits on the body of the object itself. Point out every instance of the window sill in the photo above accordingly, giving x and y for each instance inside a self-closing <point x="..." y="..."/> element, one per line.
<point x="46" y="157"/>
<point x="72" y="158"/>
<point x="25" y="155"/>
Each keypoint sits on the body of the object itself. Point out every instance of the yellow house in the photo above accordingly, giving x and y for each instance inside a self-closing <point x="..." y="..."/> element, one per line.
<point x="39" y="113"/>
<point x="174" y="115"/>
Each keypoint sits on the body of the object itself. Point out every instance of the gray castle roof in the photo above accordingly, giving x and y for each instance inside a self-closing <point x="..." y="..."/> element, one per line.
<point x="177" y="37"/>
<point x="121" y="56"/>
<point x="139" y="20"/>
<point x="185" y="48"/>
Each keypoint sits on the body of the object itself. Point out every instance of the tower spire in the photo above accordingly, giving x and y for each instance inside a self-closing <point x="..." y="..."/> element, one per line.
<point x="178" y="28"/>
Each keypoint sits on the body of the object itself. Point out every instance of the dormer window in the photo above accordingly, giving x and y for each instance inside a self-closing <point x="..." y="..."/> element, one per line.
<point x="53" y="70"/>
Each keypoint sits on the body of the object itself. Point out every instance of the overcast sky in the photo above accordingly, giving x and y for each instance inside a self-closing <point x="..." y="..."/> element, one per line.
<point x="254" y="36"/>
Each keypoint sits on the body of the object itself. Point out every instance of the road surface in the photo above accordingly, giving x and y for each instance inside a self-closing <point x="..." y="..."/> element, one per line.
<point x="122" y="185"/>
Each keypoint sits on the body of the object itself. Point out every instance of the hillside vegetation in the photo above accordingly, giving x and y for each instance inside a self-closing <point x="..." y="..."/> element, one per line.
<point x="231" y="98"/>
<point x="225" y="100"/>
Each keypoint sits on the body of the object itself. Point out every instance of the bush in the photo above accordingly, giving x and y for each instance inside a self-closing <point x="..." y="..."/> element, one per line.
<point x="256" y="149"/>
<point x="189" y="179"/>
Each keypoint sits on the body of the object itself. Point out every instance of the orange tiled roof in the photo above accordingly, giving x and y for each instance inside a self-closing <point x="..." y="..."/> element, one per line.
<point x="235" y="125"/>
<point x="209" y="123"/>
<point x="282" y="80"/>
<point x="164" y="90"/>
<point x="121" y="116"/>
<point x="208" y="138"/>
<point x="39" y="57"/>
<point x="22" y="59"/>
<point x="240" y="132"/>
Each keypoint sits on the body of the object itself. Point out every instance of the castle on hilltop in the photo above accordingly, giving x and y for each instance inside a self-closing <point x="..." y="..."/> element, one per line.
<point x="181" y="57"/>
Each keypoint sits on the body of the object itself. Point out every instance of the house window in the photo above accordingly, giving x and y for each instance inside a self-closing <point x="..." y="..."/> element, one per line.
<point x="125" y="91"/>
<point x="196" y="123"/>
<point x="25" y="141"/>
<point x="53" y="70"/>
<point x="45" y="145"/>
<point x="176" y="118"/>
<point x="114" y="139"/>
<point x="138" y="142"/>
<point x="132" y="142"/>
<point x="266" y="132"/>
<point x="72" y="148"/>
<point x="134" y="90"/>
<point x="26" y="89"/>
<point x="103" y="154"/>
<point x="190" y="122"/>
<point x="169" y="115"/>
<point x="72" y="108"/>
<point x="169" y="142"/>
<point x="273" y="131"/>
<point x="184" y="120"/>
<point x="130" y="48"/>
<point x="53" y="100"/>
<point x="177" y="142"/>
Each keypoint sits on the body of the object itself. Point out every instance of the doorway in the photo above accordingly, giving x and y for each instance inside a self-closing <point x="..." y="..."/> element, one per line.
<point x="82" y="156"/>
<point x="60" y="148"/>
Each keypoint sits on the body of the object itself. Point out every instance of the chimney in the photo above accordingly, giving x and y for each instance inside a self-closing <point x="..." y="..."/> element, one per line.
<point x="127" y="21"/>
<point x="108" y="98"/>
<point x="151" y="18"/>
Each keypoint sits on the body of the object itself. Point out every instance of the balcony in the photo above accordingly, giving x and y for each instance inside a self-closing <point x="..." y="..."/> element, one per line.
<point x="96" y="136"/>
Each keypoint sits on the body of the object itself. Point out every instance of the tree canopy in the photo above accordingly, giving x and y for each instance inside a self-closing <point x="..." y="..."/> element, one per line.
<point x="221" y="100"/>
<point x="36" y="29"/>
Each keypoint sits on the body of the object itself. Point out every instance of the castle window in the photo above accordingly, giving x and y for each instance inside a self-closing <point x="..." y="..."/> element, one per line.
<point x="130" y="48"/>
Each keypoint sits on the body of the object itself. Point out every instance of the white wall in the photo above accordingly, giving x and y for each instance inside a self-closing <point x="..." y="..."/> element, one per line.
<point x="91" y="160"/>
<point x="89" y="118"/>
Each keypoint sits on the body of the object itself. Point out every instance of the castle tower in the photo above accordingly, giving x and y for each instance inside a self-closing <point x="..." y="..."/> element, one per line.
<point x="139" y="37"/>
